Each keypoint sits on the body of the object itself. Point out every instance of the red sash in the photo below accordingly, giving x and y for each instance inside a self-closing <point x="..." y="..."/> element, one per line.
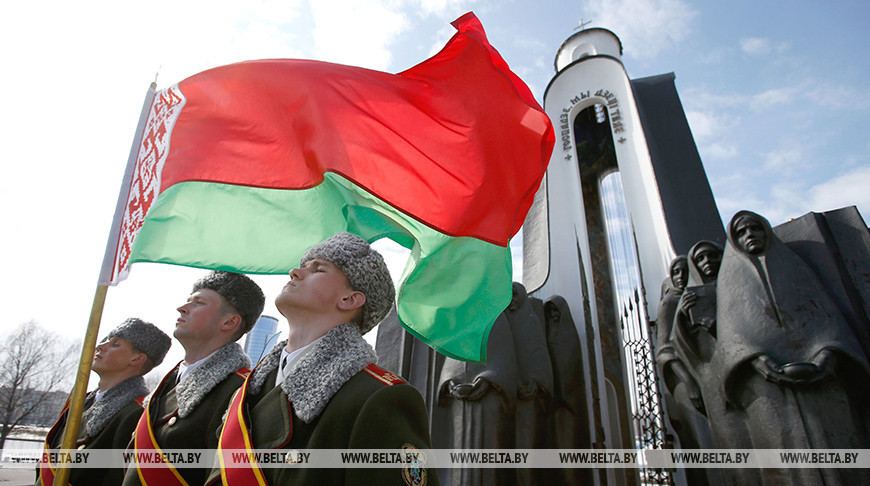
<point x="164" y="474"/>
<point x="46" y="469"/>
<point x="144" y="440"/>
<point x="235" y="436"/>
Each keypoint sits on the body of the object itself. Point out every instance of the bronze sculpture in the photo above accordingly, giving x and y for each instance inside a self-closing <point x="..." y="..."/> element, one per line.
<point x="783" y="356"/>
<point x="684" y="350"/>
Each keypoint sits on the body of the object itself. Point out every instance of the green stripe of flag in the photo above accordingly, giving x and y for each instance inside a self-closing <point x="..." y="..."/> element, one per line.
<point x="448" y="284"/>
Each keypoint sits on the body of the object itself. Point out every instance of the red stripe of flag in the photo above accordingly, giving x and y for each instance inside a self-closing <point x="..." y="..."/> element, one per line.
<point x="457" y="141"/>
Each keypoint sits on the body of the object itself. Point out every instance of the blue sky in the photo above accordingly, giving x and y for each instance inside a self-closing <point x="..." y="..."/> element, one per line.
<point x="775" y="92"/>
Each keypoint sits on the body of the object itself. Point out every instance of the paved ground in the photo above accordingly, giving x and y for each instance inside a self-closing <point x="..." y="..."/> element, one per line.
<point x="17" y="477"/>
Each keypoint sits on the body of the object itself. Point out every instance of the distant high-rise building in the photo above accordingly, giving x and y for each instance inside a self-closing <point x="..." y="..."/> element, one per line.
<point x="261" y="338"/>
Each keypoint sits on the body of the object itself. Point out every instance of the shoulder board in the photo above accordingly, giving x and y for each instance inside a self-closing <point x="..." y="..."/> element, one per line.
<point x="243" y="373"/>
<point x="141" y="400"/>
<point x="383" y="375"/>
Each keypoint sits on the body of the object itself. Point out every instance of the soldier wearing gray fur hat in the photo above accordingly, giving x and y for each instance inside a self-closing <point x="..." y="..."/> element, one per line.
<point x="321" y="389"/>
<point x="365" y="271"/>
<point x="187" y="407"/>
<point x="112" y="410"/>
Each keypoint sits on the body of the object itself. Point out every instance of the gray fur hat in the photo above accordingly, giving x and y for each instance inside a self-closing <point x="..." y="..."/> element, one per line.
<point x="145" y="337"/>
<point x="365" y="270"/>
<point x="241" y="292"/>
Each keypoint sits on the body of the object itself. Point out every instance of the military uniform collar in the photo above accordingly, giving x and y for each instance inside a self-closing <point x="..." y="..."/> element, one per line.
<point x="325" y="367"/>
<point x="210" y="372"/>
<point x="111" y="402"/>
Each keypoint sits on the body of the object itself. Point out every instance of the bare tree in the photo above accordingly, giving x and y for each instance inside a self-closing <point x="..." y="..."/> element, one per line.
<point x="34" y="363"/>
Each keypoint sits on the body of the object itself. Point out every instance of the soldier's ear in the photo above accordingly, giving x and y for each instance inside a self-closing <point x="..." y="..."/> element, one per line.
<point x="138" y="359"/>
<point x="231" y="323"/>
<point x="352" y="300"/>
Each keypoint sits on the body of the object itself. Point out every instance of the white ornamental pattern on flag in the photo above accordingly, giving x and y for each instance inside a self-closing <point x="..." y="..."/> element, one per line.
<point x="145" y="184"/>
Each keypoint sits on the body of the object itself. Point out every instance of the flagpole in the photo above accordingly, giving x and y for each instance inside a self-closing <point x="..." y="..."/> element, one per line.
<point x="76" y="402"/>
<point x="77" y="398"/>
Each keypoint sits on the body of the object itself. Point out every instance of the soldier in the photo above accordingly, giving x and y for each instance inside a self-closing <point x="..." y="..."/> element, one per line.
<point x="320" y="389"/>
<point x="186" y="409"/>
<point x="111" y="411"/>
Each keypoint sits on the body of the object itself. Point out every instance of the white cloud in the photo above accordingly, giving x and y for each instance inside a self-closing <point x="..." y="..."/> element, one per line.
<point x="730" y="205"/>
<point x="701" y="99"/>
<point x="441" y="37"/>
<point x="787" y="200"/>
<point x="784" y="158"/>
<point x="442" y="8"/>
<point x="777" y="203"/>
<point x="847" y="189"/>
<point x="646" y="27"/>
<point x="761" y="46"/>
<point x="715" y="56"/>
<point x="825" y="95"/>
<point x="357" y="33"/>
<point x="700" y="102"/>
<point x="194" y="36"/>
<point x="703" y="124"/>
<point x="531" y="43"/>
<point x="755" y="45"/>
<point x="718" y="151"/>
<point x="791" y="198"/>
<point x="844" y="97"/>
<point x="711" y="132"/>
<point x="773" y="97"/>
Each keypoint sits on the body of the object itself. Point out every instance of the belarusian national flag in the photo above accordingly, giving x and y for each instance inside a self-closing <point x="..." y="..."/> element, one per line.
<point x="243" y="167"/>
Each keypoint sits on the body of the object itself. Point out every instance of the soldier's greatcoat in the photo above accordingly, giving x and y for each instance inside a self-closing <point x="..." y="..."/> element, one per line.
<point x="187" y="415"/>
<point x="334" y="399"/>
<point x="106" y="424"/>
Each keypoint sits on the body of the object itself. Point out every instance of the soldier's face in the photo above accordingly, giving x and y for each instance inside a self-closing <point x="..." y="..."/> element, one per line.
<point x="316" y="286"/>
<point x="201" y="316"/>
<point x="113" y="355"/>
